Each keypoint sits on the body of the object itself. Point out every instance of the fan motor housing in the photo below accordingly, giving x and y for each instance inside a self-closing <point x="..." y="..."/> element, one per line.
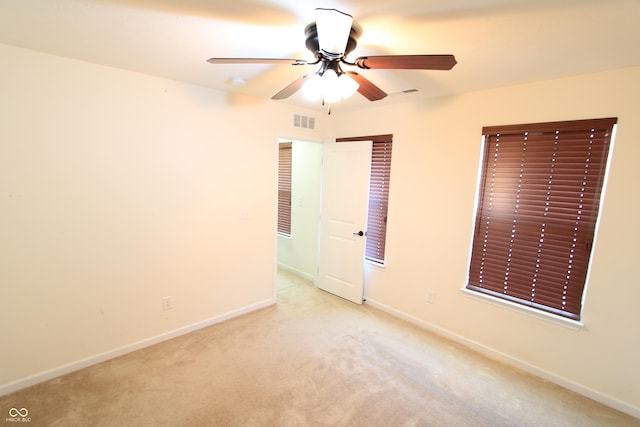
<point x="311" y="32"/>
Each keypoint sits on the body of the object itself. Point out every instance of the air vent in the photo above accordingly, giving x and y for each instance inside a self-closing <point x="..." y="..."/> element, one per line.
<point x="304" y="121"/>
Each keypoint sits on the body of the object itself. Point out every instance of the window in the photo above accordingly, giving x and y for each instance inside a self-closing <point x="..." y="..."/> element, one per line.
<point x="284" y="188"/>
<point x="378" y="195"/>
<point x="538" y="202"/>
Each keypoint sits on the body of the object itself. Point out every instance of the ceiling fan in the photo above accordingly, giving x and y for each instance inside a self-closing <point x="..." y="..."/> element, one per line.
<point x="331" y="38"/>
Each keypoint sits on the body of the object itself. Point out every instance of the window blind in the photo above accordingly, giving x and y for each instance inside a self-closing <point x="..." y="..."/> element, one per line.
<point x="537" y="210"/>
<point x="284" y="188"/>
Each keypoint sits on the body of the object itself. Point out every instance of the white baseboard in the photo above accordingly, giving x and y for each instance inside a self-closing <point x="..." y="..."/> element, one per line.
<point x="297" y="272"/>
<point x="111" y="354"/>
<point x="600" y="397"/>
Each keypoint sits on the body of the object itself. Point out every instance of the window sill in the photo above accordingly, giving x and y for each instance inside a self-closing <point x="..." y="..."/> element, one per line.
<point x="374" y="264"/>
<point x="541" y="315"/>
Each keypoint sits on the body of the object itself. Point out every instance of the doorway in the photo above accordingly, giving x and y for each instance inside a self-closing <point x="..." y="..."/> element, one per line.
<point x="300" y="251"/>
<point x="297" y="253"/>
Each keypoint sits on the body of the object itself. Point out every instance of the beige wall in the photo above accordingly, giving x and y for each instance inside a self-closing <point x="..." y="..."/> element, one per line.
<point x="117" y="189"/>
<point x="433" y="182"/>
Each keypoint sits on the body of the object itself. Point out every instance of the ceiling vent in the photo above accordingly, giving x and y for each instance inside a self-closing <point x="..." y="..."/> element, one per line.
<point x="304" y="122"/>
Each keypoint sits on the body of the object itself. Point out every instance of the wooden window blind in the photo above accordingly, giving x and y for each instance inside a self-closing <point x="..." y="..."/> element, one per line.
<point x="538" y="204"/>
<point x="284" y="188"/>
<point x="378" y="195"/>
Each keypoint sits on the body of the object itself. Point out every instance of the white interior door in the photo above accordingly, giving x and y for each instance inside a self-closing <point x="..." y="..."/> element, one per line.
<point x="345" y="192"/>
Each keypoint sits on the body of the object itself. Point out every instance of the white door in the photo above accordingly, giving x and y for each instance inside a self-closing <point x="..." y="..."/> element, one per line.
<point x="345" y="192"/>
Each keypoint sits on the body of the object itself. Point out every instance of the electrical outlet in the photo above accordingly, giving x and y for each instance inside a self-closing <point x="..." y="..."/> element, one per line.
<point x="167" y="303"/>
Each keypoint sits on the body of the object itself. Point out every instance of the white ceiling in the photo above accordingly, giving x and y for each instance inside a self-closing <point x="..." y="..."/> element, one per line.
<point x="496" y="42"/>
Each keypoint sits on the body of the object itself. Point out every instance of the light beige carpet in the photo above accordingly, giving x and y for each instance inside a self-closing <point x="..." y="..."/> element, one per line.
<point x="311" y="360"/>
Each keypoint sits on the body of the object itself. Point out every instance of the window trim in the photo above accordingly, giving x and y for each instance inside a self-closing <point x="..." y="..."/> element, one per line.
<point x="555" y="319"/>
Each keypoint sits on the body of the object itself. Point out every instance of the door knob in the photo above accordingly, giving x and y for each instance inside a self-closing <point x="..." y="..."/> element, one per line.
<point x="359" y="233"/>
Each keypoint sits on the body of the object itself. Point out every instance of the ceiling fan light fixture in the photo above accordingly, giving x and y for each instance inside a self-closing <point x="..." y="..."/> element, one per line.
<point x="330" y="87"/>
<point x="312" y="88"/>
<point x="348" y="86"/>
<point x="333" y="29"/>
